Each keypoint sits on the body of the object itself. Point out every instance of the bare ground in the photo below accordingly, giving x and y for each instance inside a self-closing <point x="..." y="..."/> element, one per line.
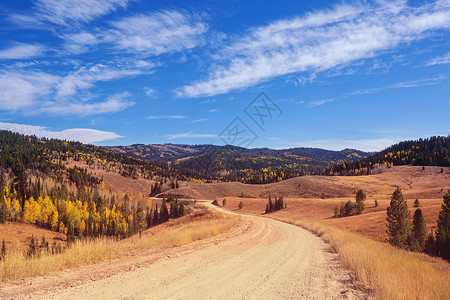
<point x="258" y="259"/>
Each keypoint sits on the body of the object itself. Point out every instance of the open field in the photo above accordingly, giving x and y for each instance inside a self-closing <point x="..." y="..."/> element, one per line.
<point x="17" y="236"/>
<point x="415" y="183"/>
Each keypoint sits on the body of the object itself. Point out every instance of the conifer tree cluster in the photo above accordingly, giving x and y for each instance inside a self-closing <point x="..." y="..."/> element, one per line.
<point x="277" y="204"/>
<point x="352" y="208"/>
<point x="413" y="236"/>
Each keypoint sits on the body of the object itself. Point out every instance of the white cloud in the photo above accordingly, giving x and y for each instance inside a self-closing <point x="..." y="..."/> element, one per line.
<point x="445" y="59"/>
<point x="199" y="120"/>
<point x="38" y="92"/>
<point x="21" y="51"/>
<point x="149" y="91"/>
<point x="398" y="85"/>
<point x="189" y="135"/>
<point x="19" y="90"/>
<point x="84" y="135"/>
<point x="213" y="110"/>
<point x="113" y="104"/>
<point x="85" y="77"/>
<point x="68" y="12"/>
<point x="166" y="117"/>
<point x="156" y="33"/>
<point x="320" y="41"/>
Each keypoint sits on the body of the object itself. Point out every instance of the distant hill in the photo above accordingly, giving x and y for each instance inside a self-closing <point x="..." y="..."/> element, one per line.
<point x="231" y="163"/>
<point x="433" y="151"/>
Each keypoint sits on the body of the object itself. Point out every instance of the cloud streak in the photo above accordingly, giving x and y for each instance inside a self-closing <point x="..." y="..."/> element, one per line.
<point x="319" y="41"/>
<point x="84" y="135"/>
<point x="68" y="13"/>
<point x="21" y="51"/>
<point x="150" y="34"/>
<point x="445" y="59"/>
<point x="166" y="117"/>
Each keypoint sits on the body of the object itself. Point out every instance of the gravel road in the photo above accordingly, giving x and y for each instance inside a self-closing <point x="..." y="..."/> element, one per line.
<point x="258" y="259"/>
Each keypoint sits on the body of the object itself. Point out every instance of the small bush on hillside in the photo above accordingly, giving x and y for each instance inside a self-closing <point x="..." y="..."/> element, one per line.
<point x="416" y="203"/>
<point x="241" y="205"/>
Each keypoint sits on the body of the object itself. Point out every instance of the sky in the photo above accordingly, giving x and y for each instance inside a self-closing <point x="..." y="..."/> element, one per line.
<point x="277" y="74"/>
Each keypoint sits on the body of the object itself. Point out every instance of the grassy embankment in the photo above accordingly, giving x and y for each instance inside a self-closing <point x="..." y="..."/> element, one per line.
<point x="392" y="273"/>
<point x="179" y="232"/>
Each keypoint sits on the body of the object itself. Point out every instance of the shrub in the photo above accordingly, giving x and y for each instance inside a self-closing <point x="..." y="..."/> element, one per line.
<point x="241" y="205"/>
<point x="416" y="203"/>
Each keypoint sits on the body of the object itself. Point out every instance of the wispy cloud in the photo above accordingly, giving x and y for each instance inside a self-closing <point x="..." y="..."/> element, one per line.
<point x="199" y="120"/>
<point x="113" y="104"/>
<point x="149" y="34"/>
<point x="398" y="85"/>
<point x="189" y="135"/>
<point x="35" y="92"/>
<point x="19" y="90"/>
<point x="84" y="77"/>
<point x="213" y="110"/>
<point x="84" y="135"/>
<point x="319" y="41"/>
<point x="68" y="12"/>
<point x="445" y="59"/>
<point x="166" y="117"/>
<point x="149" y="91"/>
<point x="21" y="51"/>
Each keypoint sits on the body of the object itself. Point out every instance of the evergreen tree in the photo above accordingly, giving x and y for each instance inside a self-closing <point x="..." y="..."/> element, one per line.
<point x="360" y="198"/>
<point x="376" y="203"/>
<point x="398" y="220"/>
<point x="416" y="203"/>
<point x="443" y="229"/>
<point x="141" y="222"/>
<point x="182" y="210"/>
<point x="163" y="212"/>
<point x="155" y="220"/>
<point x="419" y="236"/>
<point x="241" y="205"/>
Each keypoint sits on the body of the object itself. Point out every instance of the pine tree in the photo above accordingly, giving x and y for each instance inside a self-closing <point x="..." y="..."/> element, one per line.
<point x="155" y="220"/>
<point x="398" y="220"/>
<point x="241" y="205"/>
<point x="419" y="236"/>
<point x="141" y="222"/>
<point x="163" y="212"/>
<point x="182" y="210"/>
<point x="443" y="229"/>
<point x="360" y="198"/>
<point x="416" y="203"/>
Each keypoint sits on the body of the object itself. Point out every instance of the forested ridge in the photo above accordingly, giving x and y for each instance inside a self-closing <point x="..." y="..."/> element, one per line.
<point x="232" y="163"/>
<point x="433" y="151"/>
<point x="40" y="184"/>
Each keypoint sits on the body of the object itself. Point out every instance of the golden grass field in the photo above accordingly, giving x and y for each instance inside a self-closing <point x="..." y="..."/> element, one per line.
<point x="202" y="224"/>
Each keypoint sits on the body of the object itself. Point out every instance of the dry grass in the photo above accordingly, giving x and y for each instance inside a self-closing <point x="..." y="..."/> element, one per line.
<point x="392" y="273"/>
<point x="175" y="233"/>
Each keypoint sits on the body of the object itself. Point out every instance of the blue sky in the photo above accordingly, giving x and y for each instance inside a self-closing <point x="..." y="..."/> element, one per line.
<point x="353" y="74"/>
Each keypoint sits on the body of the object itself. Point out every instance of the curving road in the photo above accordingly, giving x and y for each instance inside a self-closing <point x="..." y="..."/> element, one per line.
<point x="258" y="259"/>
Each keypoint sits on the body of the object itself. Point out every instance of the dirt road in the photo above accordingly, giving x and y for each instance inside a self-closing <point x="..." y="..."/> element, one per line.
<point x="258" y="259"/>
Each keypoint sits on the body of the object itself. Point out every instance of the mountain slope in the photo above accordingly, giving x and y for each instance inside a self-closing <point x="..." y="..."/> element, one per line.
<point x="231" y="163"/>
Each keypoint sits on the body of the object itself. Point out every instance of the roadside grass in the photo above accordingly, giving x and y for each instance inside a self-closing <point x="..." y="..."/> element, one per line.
<point x="200" y="225"/>
<point x="392" y="273"/>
